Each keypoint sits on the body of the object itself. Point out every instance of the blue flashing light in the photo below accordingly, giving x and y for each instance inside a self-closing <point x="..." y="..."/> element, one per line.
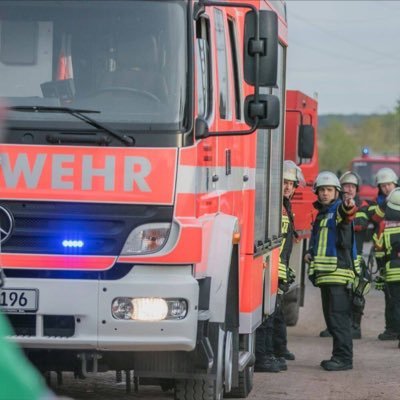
<point x="73" y="243"/>
<point x="365" y="151"/>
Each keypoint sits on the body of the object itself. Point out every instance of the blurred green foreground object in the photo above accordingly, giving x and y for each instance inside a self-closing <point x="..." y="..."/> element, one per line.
<point x="18" y="378"/>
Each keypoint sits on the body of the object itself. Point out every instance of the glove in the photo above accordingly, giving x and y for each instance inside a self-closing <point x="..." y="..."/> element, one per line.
<point x="379" y="283"/>
<point x="291" y="276"/>
<point x="358" y="303"/>
<point x="283" y="286"/>
<point x="312" y="279"/>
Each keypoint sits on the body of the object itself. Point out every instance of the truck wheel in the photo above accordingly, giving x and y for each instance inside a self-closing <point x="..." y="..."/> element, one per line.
<point x="210" y="389"/>
<point x="246" y="376"/>
<point x="291" y="312"/>
<point x="245" y="385"/>
<point x="194" y="389"/>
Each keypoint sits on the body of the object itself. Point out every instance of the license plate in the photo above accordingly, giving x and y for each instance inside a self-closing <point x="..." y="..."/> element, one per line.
<point x="19" y="300"/>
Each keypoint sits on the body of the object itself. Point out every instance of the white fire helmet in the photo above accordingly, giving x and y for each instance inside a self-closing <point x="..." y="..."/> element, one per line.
<point x="393" y="199"/>
<point x="350" y="177"/>
<point x="291" y="172"/>
<point x="386" y="175"/>
<point x="326" y="178"/>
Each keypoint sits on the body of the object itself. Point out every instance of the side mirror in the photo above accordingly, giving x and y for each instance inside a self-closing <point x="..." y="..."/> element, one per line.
<point x="267" y="110"/>
<point x="305" y="148"/>
<point x="266" y="46"/>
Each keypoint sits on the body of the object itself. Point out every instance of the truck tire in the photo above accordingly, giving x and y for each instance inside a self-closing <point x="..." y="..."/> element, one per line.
<point x="245" y="385"/>
<point x="209" y="389"/>
<point x="194" y="389"/>
<point x="246" y="376"/>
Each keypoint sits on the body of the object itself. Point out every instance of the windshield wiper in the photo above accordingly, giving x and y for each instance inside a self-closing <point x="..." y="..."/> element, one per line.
<point x="77" y="113"/>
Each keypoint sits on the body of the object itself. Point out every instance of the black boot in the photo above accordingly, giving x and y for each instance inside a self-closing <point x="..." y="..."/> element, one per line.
<point x="282" y="363"/>
<point x="325" y="333"/>
<point x="286" y="354"/>
<point x="336" y="365"/>
<point x="388" y="335"/>
<point x="267" y="364"/>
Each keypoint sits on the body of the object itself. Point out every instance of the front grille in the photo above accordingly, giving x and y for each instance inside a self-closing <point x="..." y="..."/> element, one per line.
<point x="53" y="325"/>
<point x="41" y="227"/>
<point x="58" y="325"/>
<point x="23" y="324"/>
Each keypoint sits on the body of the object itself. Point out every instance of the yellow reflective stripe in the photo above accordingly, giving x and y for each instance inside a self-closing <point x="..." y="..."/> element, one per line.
<point x="327" y="279"/>
<point x="378" y="240"/>
<point x="282" y="245"/>
<point x="325" y="268"/>
<point x="323" y="238"/>
<point x="282" y="274"/>
<point x="361" y="214"/>
<point x="387" y="241"/>
<point x="325" y="259"/>
<point x="392" y="274"/>
<point x="357" y="264"/>
<point x="379" y="212"/>
<point x="392" y="271"/>
<point x="341" y="276"/>
<point x="392" y="231"/>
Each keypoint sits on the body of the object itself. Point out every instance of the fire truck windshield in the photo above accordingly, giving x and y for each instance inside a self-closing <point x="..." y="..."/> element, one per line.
<point x="126" y="59"/>
<point x="367" y="170"/>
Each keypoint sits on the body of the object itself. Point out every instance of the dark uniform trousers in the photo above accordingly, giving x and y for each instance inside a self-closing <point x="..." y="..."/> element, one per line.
<point x="392" y="294"/>
<point x="389" y="325"/>
<point x="336" y="306"/>
<point x="271" y="335"/>
<point x="389" y="307"/>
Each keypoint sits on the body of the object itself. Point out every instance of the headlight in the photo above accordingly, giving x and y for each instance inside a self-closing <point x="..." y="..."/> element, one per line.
<point x="148" y="308"/>
<point x="146" y="238"/>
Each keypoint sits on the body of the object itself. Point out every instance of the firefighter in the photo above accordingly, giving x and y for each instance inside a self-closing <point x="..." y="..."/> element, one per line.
<point x="388" y="241"/>
<point x="271" y="336"/>
<point x="386" y="181"/>
<point x="332" y="257"/>
<point x="350" y="182"/>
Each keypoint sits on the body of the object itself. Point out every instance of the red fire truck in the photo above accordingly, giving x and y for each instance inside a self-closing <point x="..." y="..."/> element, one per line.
<point x="140" y="180"/>
<point x="301" y="146"/>
<point x="367" y="166"/>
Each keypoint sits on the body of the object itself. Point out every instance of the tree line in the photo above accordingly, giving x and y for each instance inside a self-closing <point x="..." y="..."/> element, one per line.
<point x="341" y="138"/>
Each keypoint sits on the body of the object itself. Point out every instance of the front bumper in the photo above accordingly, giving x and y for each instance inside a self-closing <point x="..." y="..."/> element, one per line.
<point x="89" y="302"/>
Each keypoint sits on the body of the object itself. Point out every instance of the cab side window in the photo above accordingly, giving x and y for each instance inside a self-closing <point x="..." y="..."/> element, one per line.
<point x="203" y="67"/>
<point x="223" y="82"/>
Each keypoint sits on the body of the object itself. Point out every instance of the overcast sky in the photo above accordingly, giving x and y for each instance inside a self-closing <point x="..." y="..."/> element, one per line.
<point x="346" y="51"/>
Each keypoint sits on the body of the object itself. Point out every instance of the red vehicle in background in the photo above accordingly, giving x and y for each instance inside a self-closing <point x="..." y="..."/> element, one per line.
<point x="301" y="147"/>
<point x="367" y="166"/>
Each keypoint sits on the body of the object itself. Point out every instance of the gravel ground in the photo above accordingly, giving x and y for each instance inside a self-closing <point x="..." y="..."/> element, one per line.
<point x="376" y="373"/>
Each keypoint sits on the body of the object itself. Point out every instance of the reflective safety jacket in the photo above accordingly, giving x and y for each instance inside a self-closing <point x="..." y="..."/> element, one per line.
<point x="375" y="214"/>
<point x="388" y="241"/>
<point x="361" y="222"/>
<point x="288" y="233"/>
<point x="333" y="247"/>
